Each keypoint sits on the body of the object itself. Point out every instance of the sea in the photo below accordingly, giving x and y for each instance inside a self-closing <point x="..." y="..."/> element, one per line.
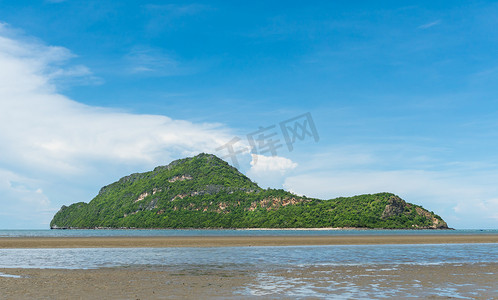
<point x="268" y="263"/>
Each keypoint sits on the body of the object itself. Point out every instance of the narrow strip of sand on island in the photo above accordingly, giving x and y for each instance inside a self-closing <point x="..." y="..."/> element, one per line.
<point x="236" y="241"/>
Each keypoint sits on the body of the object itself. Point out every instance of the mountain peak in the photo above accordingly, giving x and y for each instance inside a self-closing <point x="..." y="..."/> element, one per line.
<point x="201" y="157"/>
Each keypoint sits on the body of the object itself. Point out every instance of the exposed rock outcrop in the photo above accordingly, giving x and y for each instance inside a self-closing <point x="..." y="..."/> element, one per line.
<point x="395" y="207"/>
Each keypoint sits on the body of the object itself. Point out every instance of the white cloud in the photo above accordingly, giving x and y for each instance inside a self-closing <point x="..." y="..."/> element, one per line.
<point x="41" y="128"/>
<point x="261" y="164"/>
<point x="270" y="171"/>
<point x="43" y="132"/>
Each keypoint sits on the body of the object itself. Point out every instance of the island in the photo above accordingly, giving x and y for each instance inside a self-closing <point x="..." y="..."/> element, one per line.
<point x="204" y="191"/>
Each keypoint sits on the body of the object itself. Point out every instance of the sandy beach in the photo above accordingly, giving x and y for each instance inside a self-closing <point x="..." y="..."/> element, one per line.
<point x="236" y="241"/>
<point x="476" y="281"/>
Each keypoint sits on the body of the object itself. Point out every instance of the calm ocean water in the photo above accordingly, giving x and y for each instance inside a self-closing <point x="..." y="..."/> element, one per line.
<point x="253" y="257"/>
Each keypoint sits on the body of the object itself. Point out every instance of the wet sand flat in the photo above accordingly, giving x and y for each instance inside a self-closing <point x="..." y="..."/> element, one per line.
<point x="476" y="281"/>
<point x="235" y="241"/>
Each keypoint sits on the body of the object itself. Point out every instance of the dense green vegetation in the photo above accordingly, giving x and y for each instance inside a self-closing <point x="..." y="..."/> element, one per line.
<point x="206" y="192"/>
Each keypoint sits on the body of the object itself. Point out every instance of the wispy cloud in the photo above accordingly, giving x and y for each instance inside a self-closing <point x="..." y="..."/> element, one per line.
<point x="175" y="10"/>
<point x="51" y="61"/>
<point x="154" y="62"/>
<point x="75" y="75"/>
<point x="430" y="24"/>
<point x="148" y="60"/>
<point x="165" y="17"/>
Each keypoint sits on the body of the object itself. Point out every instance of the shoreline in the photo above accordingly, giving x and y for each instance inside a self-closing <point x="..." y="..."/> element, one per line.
<point x="251" y="228"/>
<point x="342" y="228"/>
<point x="236" y="241"/>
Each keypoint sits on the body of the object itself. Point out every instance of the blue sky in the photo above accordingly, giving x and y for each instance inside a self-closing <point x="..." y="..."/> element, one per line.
<point x="403" y="94"/>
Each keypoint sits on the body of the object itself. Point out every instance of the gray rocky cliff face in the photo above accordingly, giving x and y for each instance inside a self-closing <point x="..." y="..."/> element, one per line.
<point x="395" y="207"/>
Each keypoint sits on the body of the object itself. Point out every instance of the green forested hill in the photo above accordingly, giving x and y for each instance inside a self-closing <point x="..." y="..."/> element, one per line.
<point x="206" y="192"/>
